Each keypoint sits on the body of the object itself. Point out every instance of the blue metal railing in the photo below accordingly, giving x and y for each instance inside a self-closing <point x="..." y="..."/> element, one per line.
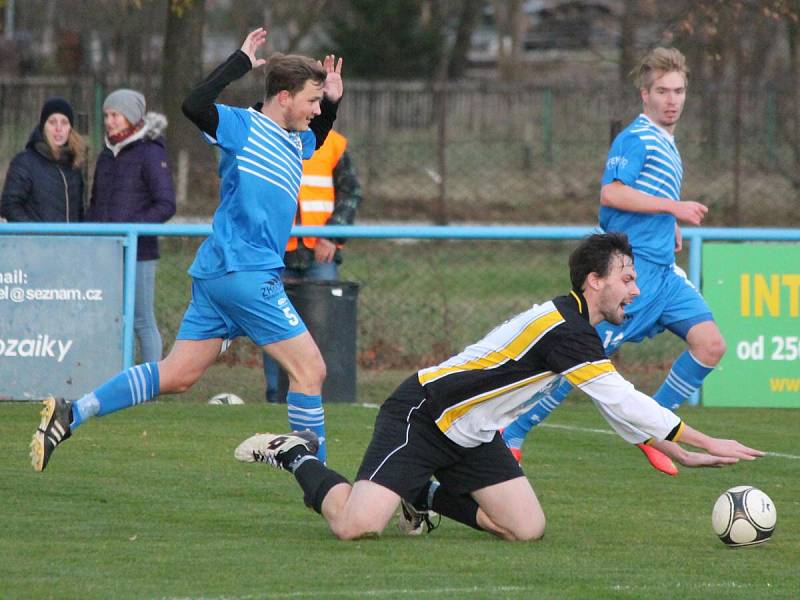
<point x="695" y="236"/>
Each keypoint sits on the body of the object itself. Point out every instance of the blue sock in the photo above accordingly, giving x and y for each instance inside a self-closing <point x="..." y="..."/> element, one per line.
<point x="684" y="379"/>
<point x="128" y="388"/>
<point x="514" y="434"/>
<point x="306" y="412"/>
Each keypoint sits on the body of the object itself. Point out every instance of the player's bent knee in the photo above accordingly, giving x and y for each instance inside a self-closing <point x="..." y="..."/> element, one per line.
<point x="306" y="370"/>
<point x="718" y="348"/>
<point x="530" y="531"/>
<point x="307" y="379"/>
<point x="712" y="351"/>
<point x="320" y="372"/>
<point x="312" y="374"/>
<point x="357" y="521"/>
<point x="349" y="530"/>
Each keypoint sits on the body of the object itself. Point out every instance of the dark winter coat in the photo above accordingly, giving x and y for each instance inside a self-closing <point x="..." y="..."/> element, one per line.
<point x="133" y="183"/>
<point x="39" y="188"/>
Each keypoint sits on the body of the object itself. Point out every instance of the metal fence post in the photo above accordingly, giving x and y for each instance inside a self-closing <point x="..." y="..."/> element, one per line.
<point x="128" y="298"/>
<point x="547" y="125"/>
<point x="695" y="270"/>
<point x="770" y="112"/>
<point x="97" y="130"/>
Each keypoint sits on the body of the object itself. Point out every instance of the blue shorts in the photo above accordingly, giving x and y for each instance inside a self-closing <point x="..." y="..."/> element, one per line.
<point x="251" y="303"/>
<point x="667" y="300"/>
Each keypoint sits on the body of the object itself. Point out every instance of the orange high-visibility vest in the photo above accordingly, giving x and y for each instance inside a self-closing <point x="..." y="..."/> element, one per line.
<point x="315" y="201"/>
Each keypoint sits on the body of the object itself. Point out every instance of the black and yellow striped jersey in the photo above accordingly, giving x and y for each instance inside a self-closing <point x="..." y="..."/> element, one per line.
<point x="491" y="382"/>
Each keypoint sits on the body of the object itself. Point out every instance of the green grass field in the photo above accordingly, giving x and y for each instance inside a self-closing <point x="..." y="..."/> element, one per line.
<point x="149" y="503"/>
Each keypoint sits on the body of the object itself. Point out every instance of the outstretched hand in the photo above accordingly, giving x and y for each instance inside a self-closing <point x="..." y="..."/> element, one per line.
<point x="253" y="42"/>
<point x="701" y="459"/>
<point x="733" y="449"/>
<point x="691" y="459"/>
<point x="333" y="88"/>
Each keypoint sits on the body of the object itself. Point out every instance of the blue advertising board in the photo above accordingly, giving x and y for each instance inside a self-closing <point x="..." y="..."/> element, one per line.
<point x="60" y="314"/>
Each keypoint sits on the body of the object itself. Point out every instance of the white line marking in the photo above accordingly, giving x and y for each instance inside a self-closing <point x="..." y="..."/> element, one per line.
<point x="781" y="455"/>
<point x="494" y="590"/>
<point x="416" y="593"/>
<point x="609" y="432"/>
<point x="488" y="590"/>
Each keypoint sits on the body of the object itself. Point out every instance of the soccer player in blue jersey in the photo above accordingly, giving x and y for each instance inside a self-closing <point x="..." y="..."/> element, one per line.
<point x="641" y="196"/>
<point x="236" y="275"/>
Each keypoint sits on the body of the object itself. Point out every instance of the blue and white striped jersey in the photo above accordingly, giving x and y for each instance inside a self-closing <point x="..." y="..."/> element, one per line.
<point x="644" y="157"/>
<point x="260" y="170"/>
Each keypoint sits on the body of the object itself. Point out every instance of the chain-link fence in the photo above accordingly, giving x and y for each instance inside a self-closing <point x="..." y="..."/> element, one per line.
<point x="485" y="152"/>
<point x="478" y="152"/>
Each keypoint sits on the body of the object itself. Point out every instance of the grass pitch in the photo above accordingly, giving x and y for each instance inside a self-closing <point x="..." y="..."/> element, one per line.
<point x="149" y="503"/>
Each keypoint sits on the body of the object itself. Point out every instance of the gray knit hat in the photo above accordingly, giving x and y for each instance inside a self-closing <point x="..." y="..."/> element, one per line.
<point x="128" y="102"/>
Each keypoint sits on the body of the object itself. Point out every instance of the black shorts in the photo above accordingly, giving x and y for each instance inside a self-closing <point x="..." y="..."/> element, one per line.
<point x="407" y="448"/>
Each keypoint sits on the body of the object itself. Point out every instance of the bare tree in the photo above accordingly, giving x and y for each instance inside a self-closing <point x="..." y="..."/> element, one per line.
<point x="511" y="25"/>
<point x="182" y="67"/>
<point x="465" y="21"/>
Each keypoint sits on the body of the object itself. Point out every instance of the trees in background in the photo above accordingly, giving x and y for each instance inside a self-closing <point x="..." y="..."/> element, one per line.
<point x="737" y="49"/>
<point x="386" y="40"/>
<point x="181" y="68"/>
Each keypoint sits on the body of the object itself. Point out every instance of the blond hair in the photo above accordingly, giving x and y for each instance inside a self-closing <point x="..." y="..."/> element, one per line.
<point x="660" y="61"/>
<point x="77" y="146"/>
<point x="75" y="149"/>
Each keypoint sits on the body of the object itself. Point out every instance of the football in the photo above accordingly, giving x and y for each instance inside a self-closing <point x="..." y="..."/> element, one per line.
<point x="743" y="516"/>
<point x="226" y="398"/>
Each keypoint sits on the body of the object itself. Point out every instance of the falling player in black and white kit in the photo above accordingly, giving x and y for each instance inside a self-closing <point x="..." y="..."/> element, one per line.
<point x="442" y="422"/>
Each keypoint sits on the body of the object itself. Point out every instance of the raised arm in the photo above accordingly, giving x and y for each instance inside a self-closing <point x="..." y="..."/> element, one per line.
<point x="332" y="94"/>
<point x="199" y="104"/>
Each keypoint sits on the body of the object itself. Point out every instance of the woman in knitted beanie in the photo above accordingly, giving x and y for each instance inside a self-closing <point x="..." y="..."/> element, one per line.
<point x="133" y="184"/>
<point x="44" y="182"/>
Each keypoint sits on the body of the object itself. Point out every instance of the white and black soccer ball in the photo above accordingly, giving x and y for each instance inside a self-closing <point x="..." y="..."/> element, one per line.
<point x="226" y="398"/>
<point x="743" y="516"/>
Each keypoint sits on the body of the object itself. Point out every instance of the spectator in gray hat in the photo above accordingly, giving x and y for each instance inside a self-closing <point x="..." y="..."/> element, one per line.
<point x="133" y="184"/>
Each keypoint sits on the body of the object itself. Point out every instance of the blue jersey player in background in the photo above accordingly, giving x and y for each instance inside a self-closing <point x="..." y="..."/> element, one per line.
<point x="236" y="275"/>
<point x="641" y="196"/>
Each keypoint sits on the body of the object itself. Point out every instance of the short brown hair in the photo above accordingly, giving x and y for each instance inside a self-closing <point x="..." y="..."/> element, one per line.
<point x="594" y="255"/>
<point x="660" y="60"/>
<point x="290" y="72"/>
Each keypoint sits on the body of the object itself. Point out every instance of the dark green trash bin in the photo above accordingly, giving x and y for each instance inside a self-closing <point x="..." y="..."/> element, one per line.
<point x="328" y="309"/>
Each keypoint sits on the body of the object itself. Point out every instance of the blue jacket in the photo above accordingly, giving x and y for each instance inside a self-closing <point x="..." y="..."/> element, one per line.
<point x="133" y="183"/>
<point x="38" y="188"/>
